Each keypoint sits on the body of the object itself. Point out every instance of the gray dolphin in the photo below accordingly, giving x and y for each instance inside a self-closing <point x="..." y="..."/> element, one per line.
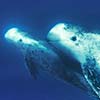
<point x="67" y="54"/>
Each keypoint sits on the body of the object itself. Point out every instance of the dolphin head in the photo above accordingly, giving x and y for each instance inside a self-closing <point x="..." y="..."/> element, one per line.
<point x="67" y="39"/>
<point x="17" y="36"/>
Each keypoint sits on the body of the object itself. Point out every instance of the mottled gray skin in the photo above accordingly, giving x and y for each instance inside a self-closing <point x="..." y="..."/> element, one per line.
<point x="67" y="54"/>
<point x="84" y="47"/>
<point x="52" y="61"/>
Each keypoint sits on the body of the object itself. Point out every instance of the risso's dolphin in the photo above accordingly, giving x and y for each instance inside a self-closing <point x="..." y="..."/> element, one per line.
<point x="68" y="54"/>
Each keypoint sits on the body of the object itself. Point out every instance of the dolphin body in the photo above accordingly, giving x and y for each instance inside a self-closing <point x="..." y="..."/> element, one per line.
<point x="67" y="54"/>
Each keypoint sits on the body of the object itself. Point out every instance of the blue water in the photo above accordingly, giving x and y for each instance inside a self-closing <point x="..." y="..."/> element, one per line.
<point x="37" y="17"/>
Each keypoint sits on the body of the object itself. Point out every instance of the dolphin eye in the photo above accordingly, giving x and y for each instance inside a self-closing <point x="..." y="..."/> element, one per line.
<point x="20" y="40"/>
<point x="74" y="38"/>
<point x="65" y="28"/>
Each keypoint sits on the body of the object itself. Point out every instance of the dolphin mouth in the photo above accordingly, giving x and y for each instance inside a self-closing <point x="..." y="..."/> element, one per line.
<point x="70" y="61"/>
<point x="67" y="58"/>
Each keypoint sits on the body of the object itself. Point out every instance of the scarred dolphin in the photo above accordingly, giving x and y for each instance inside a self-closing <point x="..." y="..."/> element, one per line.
<point x="67" y="54"/>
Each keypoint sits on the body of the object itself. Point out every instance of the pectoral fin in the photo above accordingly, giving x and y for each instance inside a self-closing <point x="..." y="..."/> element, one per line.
<point x="31" y="67"/>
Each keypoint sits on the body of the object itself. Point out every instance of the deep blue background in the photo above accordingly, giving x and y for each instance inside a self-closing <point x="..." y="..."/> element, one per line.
<point x="37" y="17"/>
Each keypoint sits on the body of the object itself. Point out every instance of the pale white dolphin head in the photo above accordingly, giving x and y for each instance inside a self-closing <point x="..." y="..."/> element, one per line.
<point x="66" y="38"/>
<point x="16" y="36"/>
